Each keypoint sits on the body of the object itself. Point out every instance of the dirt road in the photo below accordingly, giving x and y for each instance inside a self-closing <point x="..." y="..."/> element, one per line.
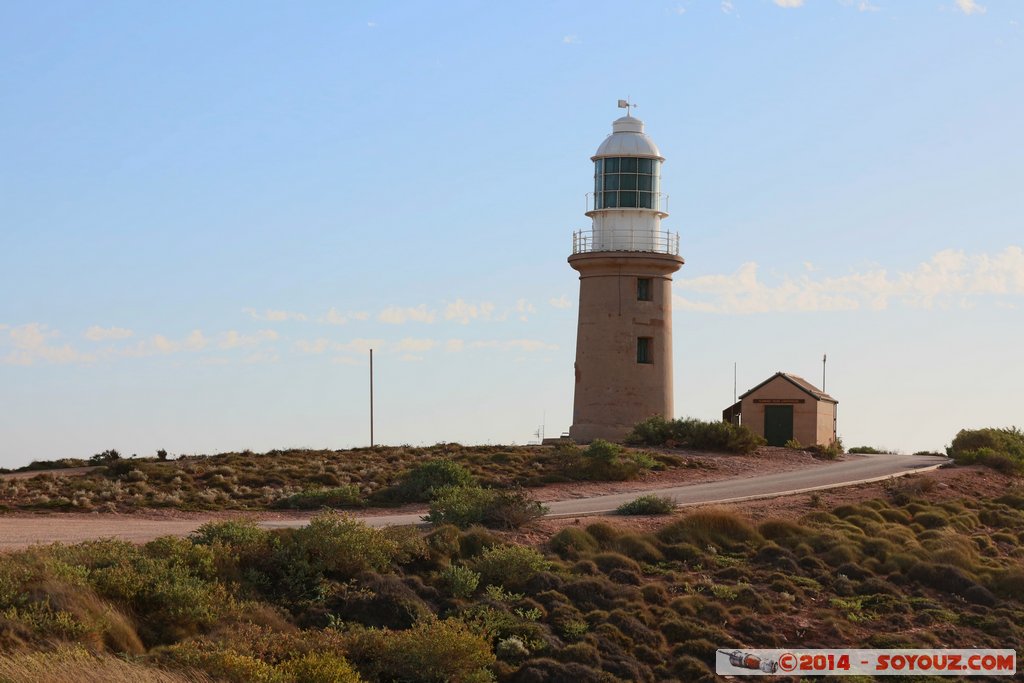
<point x="22" y="530"/>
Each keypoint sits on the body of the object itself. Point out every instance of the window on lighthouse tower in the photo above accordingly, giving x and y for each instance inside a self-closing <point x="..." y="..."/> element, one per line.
<point x="626" y="182"/>
<point x="643" y="289"/>
<point x="643" y="350"/>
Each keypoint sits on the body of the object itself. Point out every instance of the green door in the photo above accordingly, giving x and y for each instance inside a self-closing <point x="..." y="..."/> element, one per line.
<point x="778" y="424"/>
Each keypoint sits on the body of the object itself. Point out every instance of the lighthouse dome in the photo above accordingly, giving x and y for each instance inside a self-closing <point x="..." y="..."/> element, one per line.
<point x="628" y="140"/>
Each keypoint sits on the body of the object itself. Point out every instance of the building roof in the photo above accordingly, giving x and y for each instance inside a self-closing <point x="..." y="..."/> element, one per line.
<point x="628" y="140"/>
<point x="799" y="382"/>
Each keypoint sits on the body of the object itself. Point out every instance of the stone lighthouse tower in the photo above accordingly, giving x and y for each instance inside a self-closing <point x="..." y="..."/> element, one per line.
<point x="625" y="262"/>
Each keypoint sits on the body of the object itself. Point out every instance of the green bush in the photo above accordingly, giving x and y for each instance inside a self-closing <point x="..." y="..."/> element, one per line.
<point x="105" y="458"/>
<point x="421" y="482"/>
<point x="827" y="451"/>
<point x="571" y="541"/>
<point x="343" y="546"/>
<point x="603" y="451"/>
<point x="509" y="565"/>
<point x="433" y="651"/>
<point x="460" y="581"/>
<point x="603" y="461"/>
<point x="998" y="448"/>
<point x="314" y="499"/>
<point x="319" y="667"/>
<point x="696" y="434"/>
<point x="647" y="505"/>
<point x="865" y="450"/>
<point x="464" y="506"/>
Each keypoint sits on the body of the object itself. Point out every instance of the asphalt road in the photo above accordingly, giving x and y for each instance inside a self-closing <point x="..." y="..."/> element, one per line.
<point x="22" y="530"/>
<point x="854" y="470"/>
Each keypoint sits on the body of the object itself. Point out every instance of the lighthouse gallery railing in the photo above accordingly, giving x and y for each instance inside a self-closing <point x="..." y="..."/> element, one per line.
<point x="658" y="242"/>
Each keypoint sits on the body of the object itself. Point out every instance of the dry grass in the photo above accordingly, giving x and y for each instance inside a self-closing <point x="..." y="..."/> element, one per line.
<point x="75" y="665"/>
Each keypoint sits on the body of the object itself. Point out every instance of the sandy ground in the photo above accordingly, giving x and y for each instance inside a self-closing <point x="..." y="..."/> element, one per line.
<point x="63" y="472"/>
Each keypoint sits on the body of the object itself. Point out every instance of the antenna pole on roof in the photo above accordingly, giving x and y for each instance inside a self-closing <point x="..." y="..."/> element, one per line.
<point x="734" y="382"/>
<point x="824" y="357"/>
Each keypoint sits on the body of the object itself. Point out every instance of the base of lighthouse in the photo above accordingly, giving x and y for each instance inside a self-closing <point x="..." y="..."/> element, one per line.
<point x="623" y="342"/>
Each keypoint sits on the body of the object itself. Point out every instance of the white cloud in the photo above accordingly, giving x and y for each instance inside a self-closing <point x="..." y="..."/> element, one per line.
<point x="949" y="278"/>
<point x="789" y="3"/>
<point x="727" y="7"/>
<point x="514" y="345"/>
<point x="561" y="302"/>
<point x="31" y="343"/>
<point x="262" y="356"/>
<point x="454" y="345"/>
<point x="524" y="308"/>
<point x="679" y="9"/>
<point x="571" y="40"/>
<point x="462" y="312"/>
<point x="195" y="341"/>
<point x="233" y="339"/>
<point x="158" y="344"/>
<point x="865" y="6"/>
<point x="271" y="315"/>
<point x="371" y="24"/>
<point x="362" y="345"/>
<point x="416" y="345"/>
<point x="97" y="333"/>
<point x="395" y="315"/>
<point x="970" y="7"/>
<point x="315" y="346"/>
<point x="333" y="317"/>
<point x="359" y="315"/>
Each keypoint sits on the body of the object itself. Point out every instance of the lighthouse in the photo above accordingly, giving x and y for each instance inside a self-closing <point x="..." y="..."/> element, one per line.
<point x="625" y="261"/>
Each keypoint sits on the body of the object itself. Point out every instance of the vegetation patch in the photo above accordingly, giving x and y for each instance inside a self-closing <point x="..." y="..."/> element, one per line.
<point x="465" y="506"/>
<point x="696" y="434"/>
<point x="1001" y="449"/>
<point x="647" y="505"/>
<point x="338" y="601"/>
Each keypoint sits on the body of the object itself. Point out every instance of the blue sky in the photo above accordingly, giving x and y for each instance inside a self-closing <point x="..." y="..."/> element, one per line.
<point x="209" y="213"/>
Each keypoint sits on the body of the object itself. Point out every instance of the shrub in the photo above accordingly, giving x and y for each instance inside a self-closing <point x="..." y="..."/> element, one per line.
<point x="319" y="667"/>
<point x="647" y="505"/>
<point x="313" y="499"/>
<point x="341" y="546"/>
<point x="512" y="509"/>
<point x="105" y="458"/>
<point x="571" y="541"/>
<point x="464" y="506"/>
<point x="460" y="581"/>
<point x="1001" y="449"/>
<point x="905" y="489"/>
<point x="432" y="651"/>
<point x="421" y="482"/>
<point x="829" y="451"/>
<point x="697" y="434"/>
<point x="865" y="450"/>
<point x="720" y="528"/>
<point x="509" y="565"/>
<point x="602" y="450"/>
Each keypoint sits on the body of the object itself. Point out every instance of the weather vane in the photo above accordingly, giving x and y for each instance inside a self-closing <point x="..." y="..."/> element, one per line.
<point x="625" y="104"/>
